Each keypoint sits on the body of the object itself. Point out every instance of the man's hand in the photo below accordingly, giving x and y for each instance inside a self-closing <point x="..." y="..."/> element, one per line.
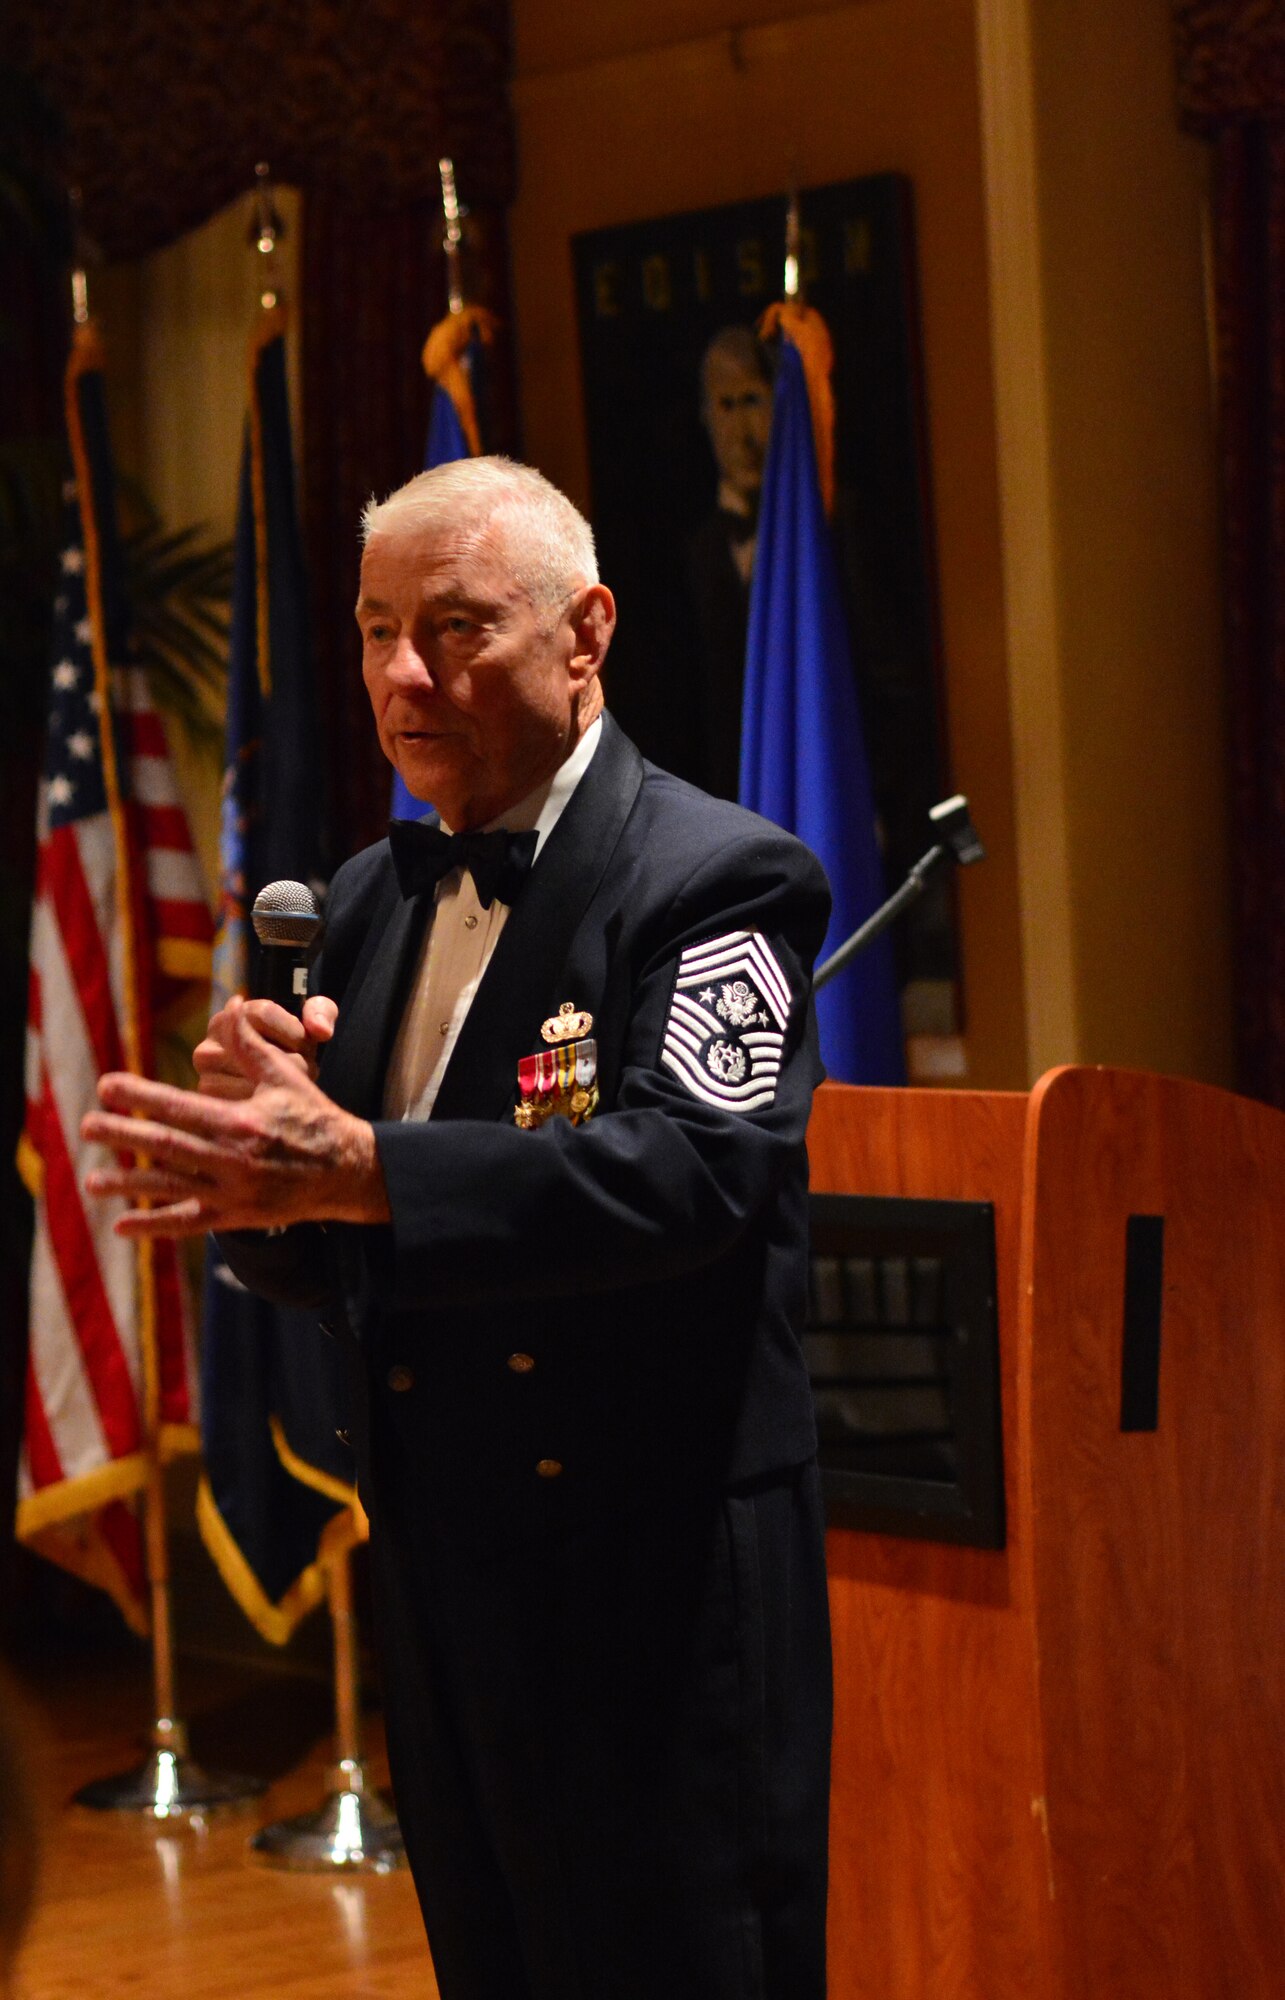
<point x="220" y="1159"/>
<point x="216" y="1059"/>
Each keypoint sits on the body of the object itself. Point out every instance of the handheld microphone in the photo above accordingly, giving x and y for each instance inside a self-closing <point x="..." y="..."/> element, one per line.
<point x="287" y="923"/>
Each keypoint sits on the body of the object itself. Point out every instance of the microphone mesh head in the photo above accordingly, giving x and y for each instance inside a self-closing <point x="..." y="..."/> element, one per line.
<point x="286" y="913"/>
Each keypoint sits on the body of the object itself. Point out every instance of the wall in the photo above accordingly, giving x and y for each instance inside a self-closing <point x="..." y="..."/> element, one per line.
<point x="1070" y="430"/>
<point x="177" y="326"/>
<point x="1107" y="455"/>
<point x="1060" y="218"/>
<point x="622" y="116"/>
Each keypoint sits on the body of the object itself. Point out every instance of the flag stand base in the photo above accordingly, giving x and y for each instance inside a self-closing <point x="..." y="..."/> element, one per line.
<point x="351" y="1830"/>
<point x="168" y="1784"/>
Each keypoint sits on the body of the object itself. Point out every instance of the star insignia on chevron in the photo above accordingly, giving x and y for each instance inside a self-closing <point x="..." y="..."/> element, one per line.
<point x="725" y="1034"/>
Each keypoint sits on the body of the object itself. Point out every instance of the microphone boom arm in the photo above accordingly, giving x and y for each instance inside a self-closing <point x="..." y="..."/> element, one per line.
<point x="958" y="842"/>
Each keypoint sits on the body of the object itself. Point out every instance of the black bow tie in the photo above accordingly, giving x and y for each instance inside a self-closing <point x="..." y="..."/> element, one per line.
<point x="498" y="862"/>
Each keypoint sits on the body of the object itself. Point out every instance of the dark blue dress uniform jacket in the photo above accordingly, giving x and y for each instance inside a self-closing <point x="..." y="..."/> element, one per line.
<point x="570" y="1345"/>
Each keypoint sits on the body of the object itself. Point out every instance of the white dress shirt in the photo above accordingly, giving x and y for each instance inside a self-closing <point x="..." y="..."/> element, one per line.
<point x="458" y="946"/>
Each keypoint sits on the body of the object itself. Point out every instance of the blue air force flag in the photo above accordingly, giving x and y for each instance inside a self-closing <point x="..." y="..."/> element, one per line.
<point x="803" y="760"/>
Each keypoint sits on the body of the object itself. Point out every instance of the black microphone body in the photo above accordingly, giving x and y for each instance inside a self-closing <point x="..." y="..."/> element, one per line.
<point x="288" y="925"/>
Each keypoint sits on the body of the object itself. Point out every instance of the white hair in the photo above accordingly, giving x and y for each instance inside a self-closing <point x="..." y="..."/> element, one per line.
<point x="547" y="540"/>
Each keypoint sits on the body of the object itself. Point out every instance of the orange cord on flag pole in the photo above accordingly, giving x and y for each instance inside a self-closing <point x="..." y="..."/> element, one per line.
<point x="443" y="358"/>
<point x="448" y="343"/>
<point x="804" y="327"/>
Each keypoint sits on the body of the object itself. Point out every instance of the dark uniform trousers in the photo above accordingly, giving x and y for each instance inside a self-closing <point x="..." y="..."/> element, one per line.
<point x="599" y="1577"/>
<point x="611" y="1747"/>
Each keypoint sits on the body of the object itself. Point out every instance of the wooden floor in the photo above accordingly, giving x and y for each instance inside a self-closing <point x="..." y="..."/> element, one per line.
<point x="128" y="1908"/>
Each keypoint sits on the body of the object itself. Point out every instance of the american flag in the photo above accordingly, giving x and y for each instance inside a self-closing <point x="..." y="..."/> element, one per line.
<point x="120" y="928"/>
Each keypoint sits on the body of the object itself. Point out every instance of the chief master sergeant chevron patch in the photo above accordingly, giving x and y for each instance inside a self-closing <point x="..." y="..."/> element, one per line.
<point x="727" y="1020"/>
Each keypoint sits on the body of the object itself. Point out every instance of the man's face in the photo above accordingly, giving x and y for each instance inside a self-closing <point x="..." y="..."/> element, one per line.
<point x="473" y="693"/>
<point x="738" y="415"/>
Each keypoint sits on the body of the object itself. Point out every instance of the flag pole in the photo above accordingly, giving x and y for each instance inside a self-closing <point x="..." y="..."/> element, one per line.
<point x="167" y="1784"/>
<point x="353" y="1829"/>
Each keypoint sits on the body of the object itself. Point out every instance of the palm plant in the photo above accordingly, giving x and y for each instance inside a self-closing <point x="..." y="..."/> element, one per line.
<point x="179" y="586"/>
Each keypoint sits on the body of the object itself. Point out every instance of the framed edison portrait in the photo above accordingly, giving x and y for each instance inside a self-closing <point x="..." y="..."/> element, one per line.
<point x="678" y="399"/>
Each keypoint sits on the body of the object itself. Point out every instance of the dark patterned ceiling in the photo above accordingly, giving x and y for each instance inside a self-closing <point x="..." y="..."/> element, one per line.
<point x="168" y="104"/>
<point x="1231" y="61"/>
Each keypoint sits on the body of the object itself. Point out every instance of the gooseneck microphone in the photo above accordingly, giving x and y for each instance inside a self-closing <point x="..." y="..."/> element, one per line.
<point x="956" y="841"/>
<point x="287" y="923"/>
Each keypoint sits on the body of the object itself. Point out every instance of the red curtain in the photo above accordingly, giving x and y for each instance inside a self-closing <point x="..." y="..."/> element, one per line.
<point x="1231" y="72"/>
<point x="167" y="109"/>
<point x="373" y="283"/>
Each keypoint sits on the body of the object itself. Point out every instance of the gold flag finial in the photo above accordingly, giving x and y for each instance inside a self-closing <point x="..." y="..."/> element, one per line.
<point x="453" y="237"/>
<point x="265" y="233"/>
<point x="79" y="260"/>
<point x="792" y="245"/>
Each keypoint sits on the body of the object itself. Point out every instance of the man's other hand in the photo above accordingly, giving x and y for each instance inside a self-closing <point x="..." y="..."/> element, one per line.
<point x="217" y="1061"/>
<point x="283" y="1153"/>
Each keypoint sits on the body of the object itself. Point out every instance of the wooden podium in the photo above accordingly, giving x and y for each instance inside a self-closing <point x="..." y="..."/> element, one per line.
<point x="1059" y="1764"/>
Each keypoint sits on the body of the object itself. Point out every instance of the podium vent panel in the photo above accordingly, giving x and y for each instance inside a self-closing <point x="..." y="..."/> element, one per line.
<point x="902" y="1348"/>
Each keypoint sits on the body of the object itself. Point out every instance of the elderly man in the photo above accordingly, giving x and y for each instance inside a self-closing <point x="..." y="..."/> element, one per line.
<point x="536" y="1154"/>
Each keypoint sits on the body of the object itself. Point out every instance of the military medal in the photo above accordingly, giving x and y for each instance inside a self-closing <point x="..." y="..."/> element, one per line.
<point x="560" y="1080"/>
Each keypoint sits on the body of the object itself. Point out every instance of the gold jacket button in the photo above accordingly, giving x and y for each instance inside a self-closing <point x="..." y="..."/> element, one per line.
<point x="401" y="1377"/>
<point x="521" y="1364"/>
<point x="549" y="1468"/>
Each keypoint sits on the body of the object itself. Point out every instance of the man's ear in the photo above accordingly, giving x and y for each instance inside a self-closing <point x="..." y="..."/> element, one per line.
<point x="593" y="620"/>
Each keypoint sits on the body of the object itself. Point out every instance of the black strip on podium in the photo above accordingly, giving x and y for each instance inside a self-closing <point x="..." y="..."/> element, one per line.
<point x="1144" y="1278"/>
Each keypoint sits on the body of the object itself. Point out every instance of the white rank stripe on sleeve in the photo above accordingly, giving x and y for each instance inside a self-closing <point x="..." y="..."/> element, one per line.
<point x="727" y="1020"/>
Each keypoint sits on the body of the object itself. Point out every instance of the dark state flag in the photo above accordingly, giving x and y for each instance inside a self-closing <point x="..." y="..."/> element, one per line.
<point x="278" y="1495"/>
<point x="803" y="758"/>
